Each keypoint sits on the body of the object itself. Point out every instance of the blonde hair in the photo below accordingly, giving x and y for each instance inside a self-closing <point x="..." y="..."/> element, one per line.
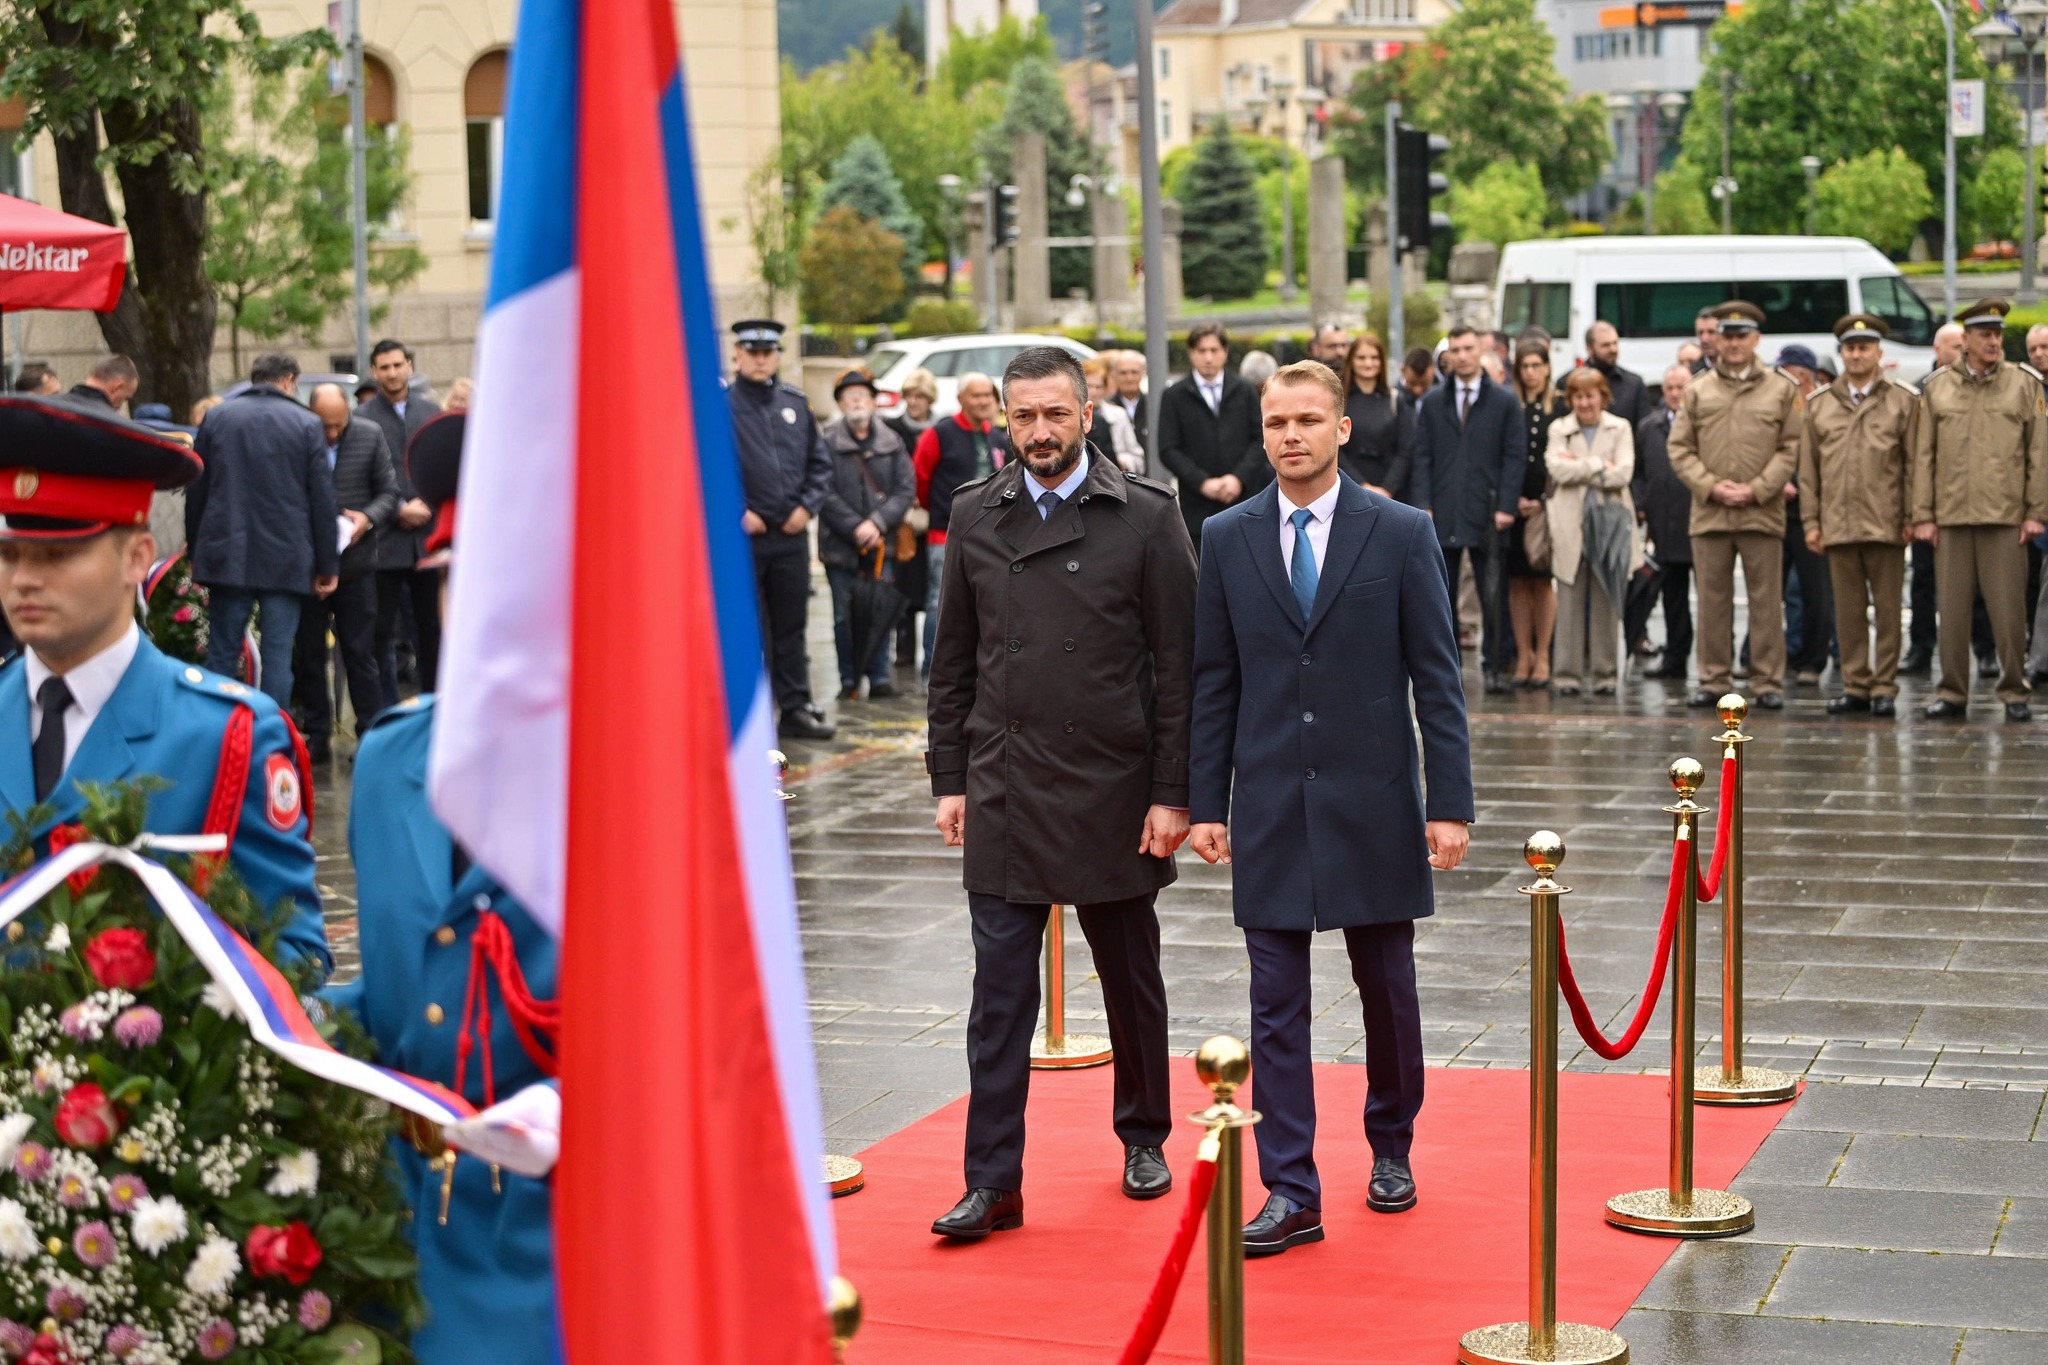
<point x="1312" y="372"/>
<point x="920" y="380"/>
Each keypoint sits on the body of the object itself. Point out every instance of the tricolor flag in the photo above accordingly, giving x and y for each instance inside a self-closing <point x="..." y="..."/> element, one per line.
<point x="602" y="740"/>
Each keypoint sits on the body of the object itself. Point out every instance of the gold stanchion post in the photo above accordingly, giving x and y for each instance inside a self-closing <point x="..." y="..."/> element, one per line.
<point x="1224" y="1064"/>
<point x="1681" y="1209"/>
<point x="1542" y="1337"/>
<point x="1060" y="1050"/>
<point x="1731" y="1082"/>
<point x="846" y="1310"/>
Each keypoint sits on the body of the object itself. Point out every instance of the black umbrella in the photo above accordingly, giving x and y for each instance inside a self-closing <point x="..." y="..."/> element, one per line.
<point x="873" y="608"/>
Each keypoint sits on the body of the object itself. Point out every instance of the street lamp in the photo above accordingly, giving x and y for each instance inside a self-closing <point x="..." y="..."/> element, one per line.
<point x="1811" y="165"/>
<point x="1623" y="107"/>
<point x="949" y="188"/>
<point x="1647" y="110"/>
<point x="1282" y="87"/>
<point x="2026" y="21"/>
<point x="1670" y="105"/>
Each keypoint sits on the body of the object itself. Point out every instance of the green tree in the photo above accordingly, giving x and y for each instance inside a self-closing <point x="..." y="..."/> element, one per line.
<point x="1682" y="205"/>
<point x="772" y="232"/>
<point x="1358" y="125"/>
<point x="988" y="56"/>
<point x="1994" y="200"/>
<point x="1036" y="102"/>
<point x="1503" y="203"/>
<point x="280" y="251"/>
<point x="862" y="180"/>
<point x="907" y="29"/>
<point x="850" y="273"/>
<point x="119" y="86"/>
<point x="1880" y="196"/>
<point x="1223" y="248"/>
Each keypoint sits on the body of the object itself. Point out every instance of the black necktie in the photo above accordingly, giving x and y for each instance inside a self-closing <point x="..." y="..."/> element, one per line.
<point x="55" y="698"/>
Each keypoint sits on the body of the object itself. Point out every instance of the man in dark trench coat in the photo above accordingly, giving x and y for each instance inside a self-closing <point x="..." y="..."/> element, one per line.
<point x="1059" y="756"/>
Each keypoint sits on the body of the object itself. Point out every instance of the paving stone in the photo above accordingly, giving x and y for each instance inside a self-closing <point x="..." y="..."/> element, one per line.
<point x="2025" y="1230"/>
<point x="1790" y="1156"/>
<point x="1987" y="1166"/>
<point x="1657" y="1337"/>
<point x="1983" y="1346"/>
<point x="1901" y="1220"/>
<point x="1912" y="1287"/>
<point x="1731" y="1276"/>
<point x="1913" y="1113"/>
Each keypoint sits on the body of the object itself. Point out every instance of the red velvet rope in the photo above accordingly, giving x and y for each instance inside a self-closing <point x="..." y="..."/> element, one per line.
<point x="492" y="944"/>
<point x="1582" y="1017"/>
<point x="1145" y="1335"/>
<point x="1724" y="824"/>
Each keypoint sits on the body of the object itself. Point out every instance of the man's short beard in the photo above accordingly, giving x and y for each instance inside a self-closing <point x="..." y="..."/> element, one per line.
<point x="1049" y="469"/>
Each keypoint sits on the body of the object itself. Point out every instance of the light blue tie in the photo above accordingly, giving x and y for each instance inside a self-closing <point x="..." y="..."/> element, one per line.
<point x="1048" y="503"/>
<point x="1302" y="573"/>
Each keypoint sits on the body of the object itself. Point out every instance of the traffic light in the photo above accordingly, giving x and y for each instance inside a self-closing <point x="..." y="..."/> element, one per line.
<point x="1006" y="215"/>
<point x="1415" y="157"/>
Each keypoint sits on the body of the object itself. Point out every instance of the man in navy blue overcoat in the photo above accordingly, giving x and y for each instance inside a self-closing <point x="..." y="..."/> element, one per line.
<point x="1321" y="607"/>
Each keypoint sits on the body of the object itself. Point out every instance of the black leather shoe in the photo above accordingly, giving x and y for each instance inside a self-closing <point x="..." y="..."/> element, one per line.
<point x="1771" y="701"/>
<point x="806" y="722"/>
<point x="2018" y="711"/>
<point x="1145" y="1173"/>
<point x="980" y="1212"/>
<point x="1280" y="1225"/>
<point x="1491" y="680"/>
<point x="1667" y="673"/>
<point x="1883" y="706"/>
<point x="1702" y="698"/>
<point x="1987" y="665"/>
<point x="1944" y="709"/>
<point x="881" y="691"/>
<point x="1393" y="1186"/>
<point x="1918" y="660"/>
<point x="1848" y="703"/>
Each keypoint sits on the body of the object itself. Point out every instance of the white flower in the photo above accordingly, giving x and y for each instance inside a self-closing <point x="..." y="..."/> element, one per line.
<point x="298" y="1173"/>
<point x="159" y="1223"/>
<point x="59" y="939"/>
<point x="213" y="1269"/>
<point x="13" y="1129"/>
<point x="18" y="1240"/>
<point x="216" y="998"/>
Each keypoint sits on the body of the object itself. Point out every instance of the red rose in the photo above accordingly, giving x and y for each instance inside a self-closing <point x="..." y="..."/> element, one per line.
<point x="289" y="1251"/>
<point x="121" y="957"/>
<point x="87" y="1118"/>
<point x="63" y="837"/>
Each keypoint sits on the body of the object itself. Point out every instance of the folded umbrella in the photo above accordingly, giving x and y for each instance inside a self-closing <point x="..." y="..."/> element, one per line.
<point x="873" y="608"/>
<point x="1608" y="536"/>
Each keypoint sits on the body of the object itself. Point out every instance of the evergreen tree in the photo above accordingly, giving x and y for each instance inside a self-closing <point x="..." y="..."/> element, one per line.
<point x="863" y="181"/>
<point x="1036" y="103"/>
<point x="908" y="31"/>
<point x="1223" y="234"/>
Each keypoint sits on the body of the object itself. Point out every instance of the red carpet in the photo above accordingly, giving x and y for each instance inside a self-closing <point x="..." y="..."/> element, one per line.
<point x="1398" y="1289"/>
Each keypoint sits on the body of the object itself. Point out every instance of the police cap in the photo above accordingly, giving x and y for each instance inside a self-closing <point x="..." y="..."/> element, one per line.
<point x="71" y="467"/>
<point x="1985" y="313"/>
<point x="1861" y="327"/>
<point x="1739" y="315"/>
<point x="758" y="334"/>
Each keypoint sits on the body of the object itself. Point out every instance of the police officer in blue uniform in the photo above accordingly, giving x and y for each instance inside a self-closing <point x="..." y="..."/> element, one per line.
<point x="437" y="933"/>
<point x="785" y="469"/>
<point x="89" y="700"/>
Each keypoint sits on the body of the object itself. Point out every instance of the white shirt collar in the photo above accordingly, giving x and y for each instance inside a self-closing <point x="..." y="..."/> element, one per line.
<point x="1066" y="487"/>
<point x="1322" y="509"/>
<point x="1215" y="383"/>
<point x="92" y="685"/>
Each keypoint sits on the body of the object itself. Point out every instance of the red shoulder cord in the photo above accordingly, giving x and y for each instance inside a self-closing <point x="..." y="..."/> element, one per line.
<point x="230" y="785"/>
<point x="302" y="759"/>
<point x="536" y="1022"/>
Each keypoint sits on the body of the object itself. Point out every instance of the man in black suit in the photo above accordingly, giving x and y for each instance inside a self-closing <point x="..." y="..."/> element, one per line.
<point x="1320" y="608"/>
<point x="1628" y="397"/>
<point x="366" y="490"/>
<point x="1467" y="474"/>
<point x="1664" y="510"/>
<point x="398" y="413"/>
<point x="1209" y="431"/>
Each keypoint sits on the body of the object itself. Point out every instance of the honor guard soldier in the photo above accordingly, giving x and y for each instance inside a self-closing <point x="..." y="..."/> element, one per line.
<point x="785" y="470"/>
<point x="89" y="700"/>
<point x="1735" y="443"/>
<point x="1854" y="467"/>
<point x="1980" y="493"/>
<point x="457" y="987"/>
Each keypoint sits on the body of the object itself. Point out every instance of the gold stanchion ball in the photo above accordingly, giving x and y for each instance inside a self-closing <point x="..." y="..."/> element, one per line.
<point x="1686" y="775"/>
<point x="1224" y="1064"/>
<point x="846" y="1311"/>
<point x="1734" y="709"/>
<point x="1543" y="850"/>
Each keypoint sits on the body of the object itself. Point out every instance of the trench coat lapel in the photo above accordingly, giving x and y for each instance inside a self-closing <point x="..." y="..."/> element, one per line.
<point x="1262" y="538"/>
<point x="1349" y="529"/>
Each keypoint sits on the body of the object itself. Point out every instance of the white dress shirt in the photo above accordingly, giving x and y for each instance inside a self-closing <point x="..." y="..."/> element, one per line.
<point x="1212" y="391"/>
<point x="1319" y="513"/>
<point x="1065" y="488"/>
<point x="1857" y="395"/>
<point x="91" y="684"/>
<point x="1467" y="397"/>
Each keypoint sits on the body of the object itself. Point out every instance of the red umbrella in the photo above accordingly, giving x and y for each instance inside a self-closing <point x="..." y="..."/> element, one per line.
<point x="53" y="260"/>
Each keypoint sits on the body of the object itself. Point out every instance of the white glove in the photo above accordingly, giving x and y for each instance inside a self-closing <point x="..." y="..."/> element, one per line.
<point x="522" y="1134"/>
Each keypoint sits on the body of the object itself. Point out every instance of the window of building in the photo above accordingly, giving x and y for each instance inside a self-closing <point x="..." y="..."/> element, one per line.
<point x="1165" y="62"/>
<point x="1166" y="120"/>
<point x="483" y="106"/>
<point x="14" y="162"/>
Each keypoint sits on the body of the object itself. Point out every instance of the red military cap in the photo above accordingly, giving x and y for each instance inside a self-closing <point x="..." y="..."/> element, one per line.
<point x="71" y="468"/>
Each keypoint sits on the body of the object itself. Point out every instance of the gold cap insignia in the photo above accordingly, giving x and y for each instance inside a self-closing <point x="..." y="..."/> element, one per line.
<point x="26" y="481"/>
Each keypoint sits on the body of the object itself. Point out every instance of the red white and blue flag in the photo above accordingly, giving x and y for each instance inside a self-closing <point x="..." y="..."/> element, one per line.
<point x="601" y="744"/>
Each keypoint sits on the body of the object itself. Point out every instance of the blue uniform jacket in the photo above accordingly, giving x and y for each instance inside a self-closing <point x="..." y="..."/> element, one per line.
<point x="488" y="1275"/>
<point x="168" y="719"/>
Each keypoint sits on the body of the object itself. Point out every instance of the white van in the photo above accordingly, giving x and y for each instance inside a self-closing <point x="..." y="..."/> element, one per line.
<point x="1651" y="289"/>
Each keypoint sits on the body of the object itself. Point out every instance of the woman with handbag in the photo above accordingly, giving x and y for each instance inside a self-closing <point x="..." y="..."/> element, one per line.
<point x="861" y="524"/>
<point x="1532" y="604"/>
<point x="1593" y="545"/>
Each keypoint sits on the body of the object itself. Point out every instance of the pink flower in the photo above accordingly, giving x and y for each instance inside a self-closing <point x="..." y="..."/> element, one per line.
<point x="94" y="1243"/>
<point x="15" y="1338"/>
<point x="316" y="1310"/>
<point x="33" y="1161"/>
<point x="139" y="1026"/>
<point x="182" y="615"/>
<point x="216" y="1339"/>
<point x="74" y="1193"/>
<point x="124" y="1341"/>
<point x="65" y="1303"/>
<point x="123" y="1191"/>
<point x="76" y="1025"/>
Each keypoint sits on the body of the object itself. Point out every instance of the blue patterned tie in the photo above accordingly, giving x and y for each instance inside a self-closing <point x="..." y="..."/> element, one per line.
<point x="1302" y="573"/>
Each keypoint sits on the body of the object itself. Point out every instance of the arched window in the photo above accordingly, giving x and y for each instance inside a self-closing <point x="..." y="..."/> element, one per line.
<point x="380" y="95"/>
<point x="13" y="149"/>
<point x="483" y="106"/>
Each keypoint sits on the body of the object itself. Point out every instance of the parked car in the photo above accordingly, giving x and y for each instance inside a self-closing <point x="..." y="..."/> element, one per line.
<point x="1651" y="289"/>
<point x="949" y="357"/>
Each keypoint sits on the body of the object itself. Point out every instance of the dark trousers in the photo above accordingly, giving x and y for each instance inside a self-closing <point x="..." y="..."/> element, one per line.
<point x="400" y="591"/>
<point x="352" y="610"/>
<point x="1124" y="937"/>
<point x="1670" y="584"/>
<point x="1816" y="598"/>
<point x="1496" y="641"/>
<point x="277" y="630"/>
<point x="782" y="582"/>
<point x="1283" y="1079"/>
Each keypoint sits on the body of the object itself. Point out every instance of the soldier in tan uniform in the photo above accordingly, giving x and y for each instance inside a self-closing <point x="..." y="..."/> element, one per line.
<point x="1979" y="494"/>
<point x="1853" y="471"/>
<point x="1735" y="443"/>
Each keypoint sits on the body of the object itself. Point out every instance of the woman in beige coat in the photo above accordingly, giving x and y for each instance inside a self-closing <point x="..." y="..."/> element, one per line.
<point x="1592" y="455"/>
